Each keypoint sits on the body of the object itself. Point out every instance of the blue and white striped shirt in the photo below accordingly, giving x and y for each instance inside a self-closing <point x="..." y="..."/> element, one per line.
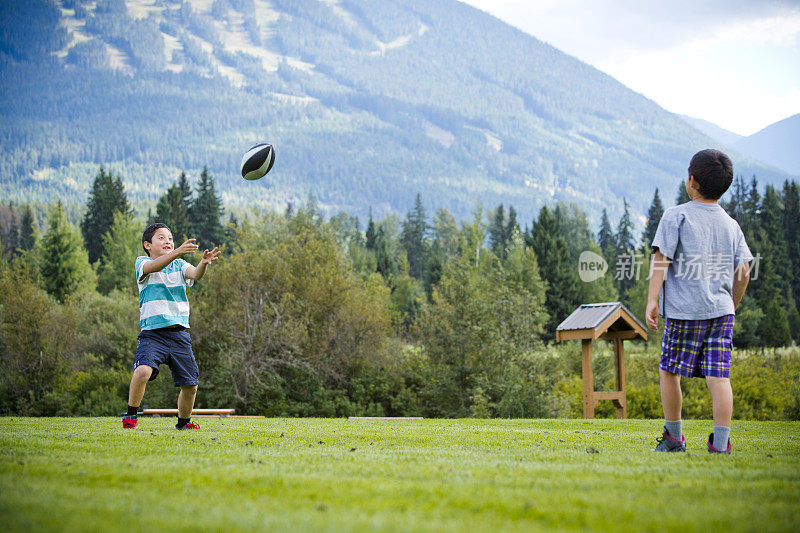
<point x="162" y="295"/>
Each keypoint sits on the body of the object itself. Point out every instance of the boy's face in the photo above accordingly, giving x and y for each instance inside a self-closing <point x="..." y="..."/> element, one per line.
<point x="160" y="244"/>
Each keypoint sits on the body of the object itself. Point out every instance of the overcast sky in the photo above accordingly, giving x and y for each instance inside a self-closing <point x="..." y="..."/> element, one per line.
<point x="735" y="63"/>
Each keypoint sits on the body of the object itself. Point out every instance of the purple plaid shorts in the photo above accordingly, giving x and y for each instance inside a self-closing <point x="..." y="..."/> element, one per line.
<point x="697" y="348"/>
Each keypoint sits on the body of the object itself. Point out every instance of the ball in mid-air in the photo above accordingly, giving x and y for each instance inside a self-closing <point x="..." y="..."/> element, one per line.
<point x="257" y="161"/>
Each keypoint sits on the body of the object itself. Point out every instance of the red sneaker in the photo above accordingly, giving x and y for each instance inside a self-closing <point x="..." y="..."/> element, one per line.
<point x="130" y="423"/>
<point x="189" y="425"/>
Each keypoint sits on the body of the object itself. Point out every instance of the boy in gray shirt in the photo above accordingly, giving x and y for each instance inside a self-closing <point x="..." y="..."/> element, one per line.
<point x="702" y="261"/>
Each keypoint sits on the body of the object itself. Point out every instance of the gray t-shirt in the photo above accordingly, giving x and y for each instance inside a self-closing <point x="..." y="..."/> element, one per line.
<point x="705" y="245"/>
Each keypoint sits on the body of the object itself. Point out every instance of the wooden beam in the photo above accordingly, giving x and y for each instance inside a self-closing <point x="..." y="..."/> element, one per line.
<point x="612" y="335"/>
<point x="194" y="411"/>
<point x="574" y="334"/>
<point x="589" y="401"/>
<point x="603" y="327"/>
<point x="619" y="360"/>
<point x="608" y="395"/>
<point x="635" y="325"/>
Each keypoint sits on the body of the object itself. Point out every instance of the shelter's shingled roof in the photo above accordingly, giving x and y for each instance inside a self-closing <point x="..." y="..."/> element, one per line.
<point x="590" y="316"/>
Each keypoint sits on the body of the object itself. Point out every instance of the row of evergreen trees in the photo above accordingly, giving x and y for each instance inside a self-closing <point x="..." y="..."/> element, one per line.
<point x="101" y="253"/>
<point x="309" y="316"/>
<point x="411" y="254"/>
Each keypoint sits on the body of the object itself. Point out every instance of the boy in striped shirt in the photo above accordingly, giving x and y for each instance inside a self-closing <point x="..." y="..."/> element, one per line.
<point x="162" y="278"/>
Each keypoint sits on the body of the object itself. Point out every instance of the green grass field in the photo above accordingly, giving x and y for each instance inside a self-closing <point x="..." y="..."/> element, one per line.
<point x="88" y="474"/>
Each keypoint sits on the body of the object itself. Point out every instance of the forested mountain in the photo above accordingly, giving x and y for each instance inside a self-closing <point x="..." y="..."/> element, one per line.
<point x="368" y="102"/>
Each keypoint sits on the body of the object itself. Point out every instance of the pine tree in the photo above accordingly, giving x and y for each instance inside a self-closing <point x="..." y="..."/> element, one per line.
<point x="653" y="218"/>
<point x="186" y="191"/>
<point x="386" y="262"/>
<point x="27" y="229"/>
<point x="625" y="249"/>
<point x="573" y="226"/>
<point x="372" y="232"/>
<point x="605" y="237"/>
<point x="683" y="196"/>
<point x="414" y="239"/>
<point x="10" y="230"/>
<point x="512" y="226"/>
<point x="172" y="211"/>
<point x="751" y="209"/>
<point x="122" y="243"/>
<point x="497" y="232"/>
<point x="106" y="197"/>
<point x="64" y="264"/>
<point x="435" y="268"/>
<point x="206" y="213"/>
<point x="773" y="284"/>
<point x="736" y="199"/>
<point x="552" y="256"/>
<point x="791" y="224"/>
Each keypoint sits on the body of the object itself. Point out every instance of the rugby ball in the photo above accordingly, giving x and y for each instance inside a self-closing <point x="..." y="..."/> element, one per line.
<point x="257" y="161"/>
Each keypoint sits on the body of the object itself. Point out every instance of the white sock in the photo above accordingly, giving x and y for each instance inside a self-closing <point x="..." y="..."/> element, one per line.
<point x="721" y="435"/>
<point x="674" y="428"/>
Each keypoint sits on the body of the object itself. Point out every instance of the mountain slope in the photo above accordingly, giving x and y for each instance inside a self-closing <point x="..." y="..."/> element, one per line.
<point x="367" y="103"/>
<point x="720" y="135"/>
<point x="777" y="145"/>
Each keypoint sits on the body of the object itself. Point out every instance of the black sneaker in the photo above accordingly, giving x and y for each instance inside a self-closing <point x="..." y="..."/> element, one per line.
<point x="666" y="443"/>
<point x="711" y="448"/>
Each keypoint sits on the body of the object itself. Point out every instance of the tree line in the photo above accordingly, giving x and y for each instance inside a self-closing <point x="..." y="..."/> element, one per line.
<point x="305" y="315"/>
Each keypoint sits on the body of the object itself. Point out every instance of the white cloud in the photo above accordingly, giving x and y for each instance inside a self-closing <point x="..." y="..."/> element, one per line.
<point x="775" y="31"/>
<point x="733" y="62"/>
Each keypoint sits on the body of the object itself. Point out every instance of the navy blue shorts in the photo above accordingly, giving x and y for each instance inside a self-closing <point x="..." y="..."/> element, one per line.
<point x="171" y="347"/>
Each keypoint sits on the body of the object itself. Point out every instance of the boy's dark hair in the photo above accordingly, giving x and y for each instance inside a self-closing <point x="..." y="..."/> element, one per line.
<point x="147" y="236"/>
<point x="713" y="172"/>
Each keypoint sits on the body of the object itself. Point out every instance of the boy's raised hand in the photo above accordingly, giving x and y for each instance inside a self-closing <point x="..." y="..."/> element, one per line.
<point x="210" y="256"/>
<point x="188" y="247"/>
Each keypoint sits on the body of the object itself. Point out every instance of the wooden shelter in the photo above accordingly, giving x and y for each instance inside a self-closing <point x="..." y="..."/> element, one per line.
<point x="611" y="322"/>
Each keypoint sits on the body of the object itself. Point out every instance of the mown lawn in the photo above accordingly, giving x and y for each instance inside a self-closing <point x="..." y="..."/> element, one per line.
<point x="88" y="474"/>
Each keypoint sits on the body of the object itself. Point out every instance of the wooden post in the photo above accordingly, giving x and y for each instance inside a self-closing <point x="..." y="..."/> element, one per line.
<point x="589" y="402"/>
<point x="621" y="403"/>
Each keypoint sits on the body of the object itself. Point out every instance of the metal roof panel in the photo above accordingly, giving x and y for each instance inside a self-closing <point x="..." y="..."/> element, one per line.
<point x="588" y="316"/>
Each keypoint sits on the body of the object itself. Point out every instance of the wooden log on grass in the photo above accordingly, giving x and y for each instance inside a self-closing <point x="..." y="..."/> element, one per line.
<point x="195" y="412"/>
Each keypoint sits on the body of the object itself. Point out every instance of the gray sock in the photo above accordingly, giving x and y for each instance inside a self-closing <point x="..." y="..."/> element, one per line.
<point x="721" y="434"/>
<point x="674" y="428"/>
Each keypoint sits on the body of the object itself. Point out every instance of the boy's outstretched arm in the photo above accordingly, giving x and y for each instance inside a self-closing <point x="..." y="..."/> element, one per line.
<point x="658" y="270"/>
<point x="741" y="277"/>
<point x="160" y="262"/>
<point x="209" y="256"/>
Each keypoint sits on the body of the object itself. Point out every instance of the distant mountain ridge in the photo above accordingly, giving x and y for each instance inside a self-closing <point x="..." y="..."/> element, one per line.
<point x="778" y="145"/>
<point x="367" y="103"/>
<point x="717" y="133"/>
